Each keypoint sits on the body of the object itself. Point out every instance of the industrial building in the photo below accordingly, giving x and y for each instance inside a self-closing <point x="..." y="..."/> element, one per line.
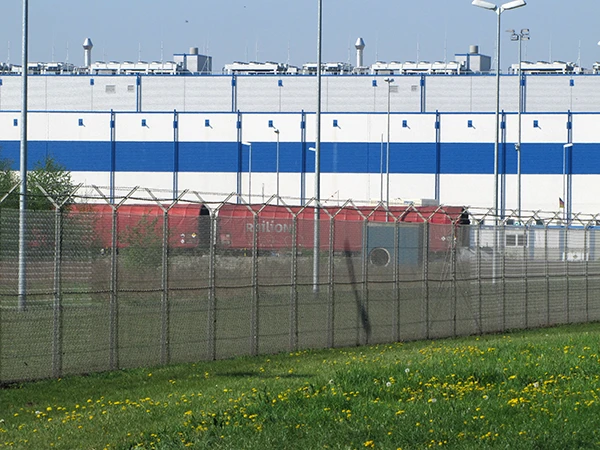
<point x="176" y="126"/>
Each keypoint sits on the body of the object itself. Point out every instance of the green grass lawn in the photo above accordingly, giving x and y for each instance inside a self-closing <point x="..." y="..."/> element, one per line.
<point x="531" y="390"/>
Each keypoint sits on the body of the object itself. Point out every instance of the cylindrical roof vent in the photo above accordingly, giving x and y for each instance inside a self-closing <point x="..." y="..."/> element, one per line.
<point x="87" y="52"/>
<point x="474" y="49"/>
<point x="193" y="50"/>
<point x="360" y="46"/>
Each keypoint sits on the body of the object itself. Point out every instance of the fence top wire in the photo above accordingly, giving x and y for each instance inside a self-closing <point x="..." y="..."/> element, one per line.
<point x="294" y="208"/>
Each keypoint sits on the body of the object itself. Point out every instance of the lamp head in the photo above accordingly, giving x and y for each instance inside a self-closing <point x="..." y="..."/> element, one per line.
<point x="485" y="5"/>
<point x="512" y="5"/>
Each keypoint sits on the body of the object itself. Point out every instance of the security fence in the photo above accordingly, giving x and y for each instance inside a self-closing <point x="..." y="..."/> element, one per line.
<point x="138" y="280"/>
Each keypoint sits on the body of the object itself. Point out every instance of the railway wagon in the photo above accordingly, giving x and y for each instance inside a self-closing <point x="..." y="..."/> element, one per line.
<point x="189" y="225"/>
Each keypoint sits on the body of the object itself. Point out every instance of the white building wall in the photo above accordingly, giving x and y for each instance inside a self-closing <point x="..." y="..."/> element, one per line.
<point x="356" y="134"/>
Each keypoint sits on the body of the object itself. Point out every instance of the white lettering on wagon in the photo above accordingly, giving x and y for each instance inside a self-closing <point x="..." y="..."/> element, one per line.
<point x="267" y="226"/>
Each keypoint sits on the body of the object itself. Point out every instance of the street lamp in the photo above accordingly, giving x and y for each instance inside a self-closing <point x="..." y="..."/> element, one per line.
<point x="520" y="37"/>
<point x="23" y="163"/>
<point x="249" y="145"/>
<point x="498" y="10"/>
<point x="389" y="82"/>
<point x="318" y="151"/>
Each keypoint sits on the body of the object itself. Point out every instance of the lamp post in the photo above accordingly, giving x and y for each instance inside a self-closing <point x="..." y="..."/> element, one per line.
<point x="249" y="145"/>
<point x="318" y="152"/>
<point x="498" y="10"/>
<point x="23" y="164"/>
<point x="520" y="37"/>
<point x="389" y="82"/>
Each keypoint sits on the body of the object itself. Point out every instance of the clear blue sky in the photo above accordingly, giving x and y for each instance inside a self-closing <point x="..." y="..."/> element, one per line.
<point x="269" y="30"/>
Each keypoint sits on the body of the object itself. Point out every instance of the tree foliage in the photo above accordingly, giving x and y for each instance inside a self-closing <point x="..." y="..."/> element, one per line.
<point x="47" y="173"/>
<point x="8" y="180"/>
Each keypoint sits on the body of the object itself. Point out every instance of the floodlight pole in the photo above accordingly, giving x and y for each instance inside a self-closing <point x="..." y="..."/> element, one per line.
<point x="22" y="295"/>
<point x="498" y="10"/>
<point x="317" y="192"/>
<point x="522" y="36"/>
<point x="389" y="82"/>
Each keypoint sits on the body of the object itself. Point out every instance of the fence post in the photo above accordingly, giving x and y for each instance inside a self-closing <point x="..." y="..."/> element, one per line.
<point x="294" y="287"/>
<point x="454" y="280"/>
<point x="501" y="243"/>
<point x="427" y="278"/>
<point x="254" y="302"/>
<point x="396" y="279"/>
<point x="212" y="306"/>
<point x="479" y="275"/>
<point x="547" y="273"/>
<point x="364" y="325"/>
<point x="566" y="259"/>
<point x="586" y="255"/>
<point x="526" y="270"/>
<point x="164" y="301"/>
<point x="331" y="287"/>
<point x="57" y="339"/>
<point x="113" y="313"/>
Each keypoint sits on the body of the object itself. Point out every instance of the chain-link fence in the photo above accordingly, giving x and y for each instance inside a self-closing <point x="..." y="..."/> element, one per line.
<point x="137" y="280"/>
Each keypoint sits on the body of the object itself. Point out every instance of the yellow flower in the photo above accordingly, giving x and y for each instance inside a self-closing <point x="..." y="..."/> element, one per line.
<point x="370" y="444"/>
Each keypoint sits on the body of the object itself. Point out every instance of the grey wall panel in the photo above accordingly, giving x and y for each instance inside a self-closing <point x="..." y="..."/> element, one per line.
<point x="10" y="93"/>
<point x="545" y="93"/>
<point x="470" y="93"/>
<point x="585" y="94"/>
<point x="300" y="93"/>
<point x="406" y="98"/>
<point x="357" y="93"/>
<point x="259" y="93"/>
<point x="65" y="93"/>
<point x="37" y="99"/>
<point x="438" y="96"/>
<point x="348" y="93"/>
<point x="208" y="94"/>
<point x="464" y="93"/>
<point x="118" y="93"/>
<point x="163" y="93"/>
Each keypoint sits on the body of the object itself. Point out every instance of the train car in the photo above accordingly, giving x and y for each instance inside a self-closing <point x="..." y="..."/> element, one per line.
<point x="188" y="224"/>
<point x="276" y="225"/>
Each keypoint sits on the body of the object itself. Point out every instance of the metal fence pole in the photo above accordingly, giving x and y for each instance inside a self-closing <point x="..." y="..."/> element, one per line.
<point x="427" y="322"/>
<point x="114" y="289"/>
<point x="164" y="301"/>
<point x="294" y="287"/>
<point x="396" y="278"/>
<point x="57" y="337"/>
<point x="364" y="323"/>
<point x="454" y="280"/>
<point x="331" y="288"/>
<point x="526" y="272"/>
<point x="566" y="260"/>
<point x="254" y="302"/>
<point x="502" y="245"/>
<point x="586" y="255"/>
<point x="212" y="304"/>
<point x="479" y="276"/>
<point x="547" y="274"/>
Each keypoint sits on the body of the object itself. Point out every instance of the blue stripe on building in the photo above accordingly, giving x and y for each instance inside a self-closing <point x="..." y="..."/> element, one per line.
<point x="348" y="157"/>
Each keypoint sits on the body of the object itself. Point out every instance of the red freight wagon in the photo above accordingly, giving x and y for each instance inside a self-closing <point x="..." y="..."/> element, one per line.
<point x="143" y="224"/>
<point x="276" y="224"/>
